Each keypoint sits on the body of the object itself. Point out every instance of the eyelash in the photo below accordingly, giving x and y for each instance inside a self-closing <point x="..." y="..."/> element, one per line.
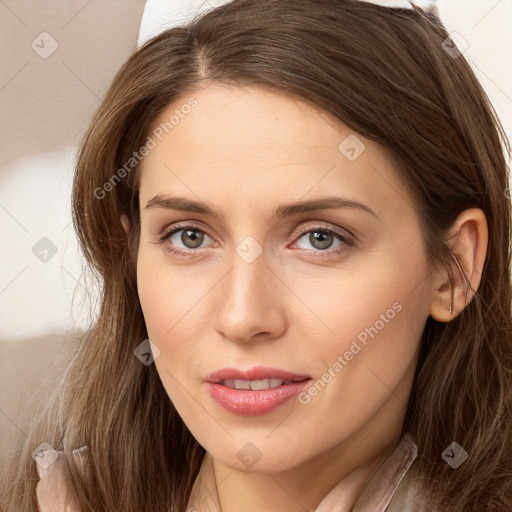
<point x="347" y="241"/>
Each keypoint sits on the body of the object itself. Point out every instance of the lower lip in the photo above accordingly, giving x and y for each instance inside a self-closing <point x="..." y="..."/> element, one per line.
<point x="247" y="402"/>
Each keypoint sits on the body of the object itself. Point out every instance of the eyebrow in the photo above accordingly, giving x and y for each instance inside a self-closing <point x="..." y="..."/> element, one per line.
<point x="284" y="210"/>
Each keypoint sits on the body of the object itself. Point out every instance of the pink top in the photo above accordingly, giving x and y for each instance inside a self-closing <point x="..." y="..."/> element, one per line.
<point x="382" y="493"/>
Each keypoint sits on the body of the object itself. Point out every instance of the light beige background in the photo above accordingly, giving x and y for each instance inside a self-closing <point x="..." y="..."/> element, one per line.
<point x="45" y="105"/>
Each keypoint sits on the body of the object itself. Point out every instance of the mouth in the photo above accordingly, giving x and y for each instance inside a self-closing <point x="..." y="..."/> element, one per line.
<point x="258" y="375"/>
<point x="255" y="391"/>
<point x="257" y="385"/>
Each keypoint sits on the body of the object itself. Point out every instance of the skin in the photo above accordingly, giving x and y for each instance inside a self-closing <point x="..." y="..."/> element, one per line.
<point x="244" y="152"/>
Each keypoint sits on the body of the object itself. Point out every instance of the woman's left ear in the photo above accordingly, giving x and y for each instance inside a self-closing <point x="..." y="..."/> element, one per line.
<point x="468" y="246"/>
<point x="125" y="222"/>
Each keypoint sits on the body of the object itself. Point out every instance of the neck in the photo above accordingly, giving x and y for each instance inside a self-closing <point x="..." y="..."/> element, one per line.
<point x="348" y="467"/>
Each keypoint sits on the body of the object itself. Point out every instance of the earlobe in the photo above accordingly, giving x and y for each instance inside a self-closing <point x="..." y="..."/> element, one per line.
<point x="125" y="222"/>
<point x="456" y="283"/>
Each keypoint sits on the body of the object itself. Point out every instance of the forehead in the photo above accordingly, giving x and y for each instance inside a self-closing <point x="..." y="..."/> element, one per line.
<point x="261" y="144"/>
<point x="251" y="119"/>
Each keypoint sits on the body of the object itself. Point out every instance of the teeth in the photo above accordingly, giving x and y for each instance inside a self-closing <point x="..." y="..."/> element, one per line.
<point x="241" y="384"/>
<point x="255" y="385"/>
<point x="274" y="383"/>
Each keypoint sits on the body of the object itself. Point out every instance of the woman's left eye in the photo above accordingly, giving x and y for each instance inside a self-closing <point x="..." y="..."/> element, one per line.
<point x="320" y="238"/>
<point x="323" y="238"/>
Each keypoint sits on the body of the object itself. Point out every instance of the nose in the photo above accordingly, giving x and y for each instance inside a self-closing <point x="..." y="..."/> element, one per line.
<point x="251" y="305"/>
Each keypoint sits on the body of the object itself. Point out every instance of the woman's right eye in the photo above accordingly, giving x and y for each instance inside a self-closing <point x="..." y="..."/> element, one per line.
<point x="184" y="239"/>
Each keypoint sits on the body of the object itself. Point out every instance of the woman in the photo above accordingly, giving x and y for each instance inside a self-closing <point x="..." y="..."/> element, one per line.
<point x="303" y="206"/>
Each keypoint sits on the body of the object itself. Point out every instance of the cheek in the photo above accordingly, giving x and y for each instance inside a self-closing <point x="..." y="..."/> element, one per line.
<point x="173" y="311"/>
<point x="171" y="297"/>
<point x="363" y="323"/>
<point x="378" y="337"/>
<point x="344" y="304"/>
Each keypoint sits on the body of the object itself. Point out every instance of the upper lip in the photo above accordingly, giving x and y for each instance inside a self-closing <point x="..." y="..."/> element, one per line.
<point x="255" y="373"/>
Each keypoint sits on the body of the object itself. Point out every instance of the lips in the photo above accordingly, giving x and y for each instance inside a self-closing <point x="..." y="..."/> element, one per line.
<point x="255" y="391"/>
<point x="256" y="373"/>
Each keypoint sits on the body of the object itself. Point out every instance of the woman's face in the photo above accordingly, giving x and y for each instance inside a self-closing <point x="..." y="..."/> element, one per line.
<point x="256" y="271"/>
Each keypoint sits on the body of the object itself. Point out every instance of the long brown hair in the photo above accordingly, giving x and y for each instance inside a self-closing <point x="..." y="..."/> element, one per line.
<point x="385" y="73"/>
